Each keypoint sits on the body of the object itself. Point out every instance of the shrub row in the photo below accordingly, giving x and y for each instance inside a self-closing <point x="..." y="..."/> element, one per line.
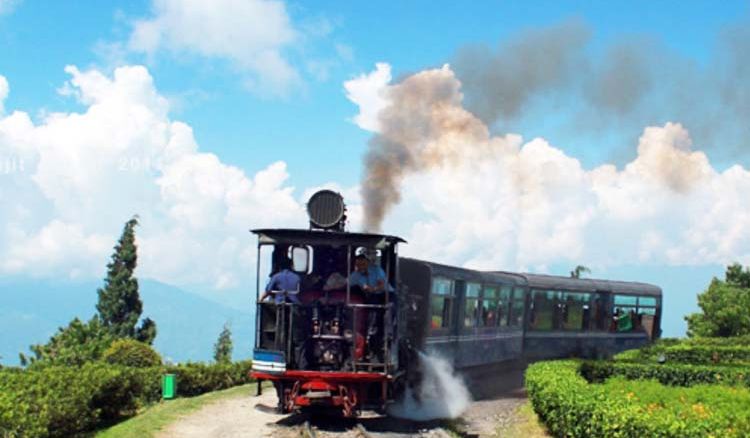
<point x="691" y="353"/>
<point x="572" y="407"/>
<point x="60" y="401"/>
<point x="668" y="373"/>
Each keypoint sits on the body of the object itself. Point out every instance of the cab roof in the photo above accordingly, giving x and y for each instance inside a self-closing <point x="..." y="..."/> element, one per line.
<point x="324" y="237"/>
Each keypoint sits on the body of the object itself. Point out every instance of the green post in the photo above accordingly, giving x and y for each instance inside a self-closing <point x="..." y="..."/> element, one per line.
<point x="168" y="386"/>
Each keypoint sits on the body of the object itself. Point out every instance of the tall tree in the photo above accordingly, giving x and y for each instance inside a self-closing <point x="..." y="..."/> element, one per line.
<point x="736" y="276"/>
<point x="120" y="305"/>
<point x="580" y="269"/>
<point x="725" y="306"/>
<point x="223" y="346"/>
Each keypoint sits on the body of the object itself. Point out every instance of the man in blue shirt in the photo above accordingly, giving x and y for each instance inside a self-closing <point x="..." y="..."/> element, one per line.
<point x="368" y="278"/>
<point x="285" y="280"/>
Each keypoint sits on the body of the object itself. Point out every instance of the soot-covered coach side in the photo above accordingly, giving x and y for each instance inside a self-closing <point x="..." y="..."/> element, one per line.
<point x="477" y="319"/>
<point x="586" y="317"/>
<point x="450" y="323"/>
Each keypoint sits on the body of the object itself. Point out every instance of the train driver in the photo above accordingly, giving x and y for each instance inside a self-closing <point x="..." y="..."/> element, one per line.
<point x="285" y="280"/>
<point x="368" y="278"/>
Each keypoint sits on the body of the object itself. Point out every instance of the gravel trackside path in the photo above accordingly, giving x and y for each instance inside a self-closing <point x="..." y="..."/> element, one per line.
<point x="228" y="418"/>
<point x="237" y="417"/>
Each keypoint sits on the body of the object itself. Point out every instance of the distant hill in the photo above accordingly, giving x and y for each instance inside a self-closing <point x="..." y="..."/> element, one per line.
<point x="31" y="310"/>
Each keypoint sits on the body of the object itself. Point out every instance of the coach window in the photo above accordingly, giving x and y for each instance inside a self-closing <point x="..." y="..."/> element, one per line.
<point x="646" y="315"/>
<point x="490" y="311"/>
<point x="625" y="316"/>
<point x="472" y="304"/>
<point x="506" y="292"/>
<point x="576" y="313"/>
<point x="441" y="303"/>
<point x="518" y="304"/>
<point x="545" y="311"/>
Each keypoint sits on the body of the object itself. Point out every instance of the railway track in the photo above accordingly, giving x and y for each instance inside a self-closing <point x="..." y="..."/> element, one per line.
<point x="358" y="431"/>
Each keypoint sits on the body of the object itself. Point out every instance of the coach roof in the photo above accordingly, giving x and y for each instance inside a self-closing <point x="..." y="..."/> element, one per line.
<point x="555" y="282"/>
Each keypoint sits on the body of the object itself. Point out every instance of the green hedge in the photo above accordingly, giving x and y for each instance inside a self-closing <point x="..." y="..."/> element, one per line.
<point x="198" y="378"/>
<point x="570" y="406"/>
<point x="673" y="374"/>
<point x="690" y="353"/>
<point x="60" y="401"/>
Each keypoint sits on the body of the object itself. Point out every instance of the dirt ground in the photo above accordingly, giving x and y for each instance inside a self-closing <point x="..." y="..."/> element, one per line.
<point x="238" y="417"/>
<point x="228" y="418"/>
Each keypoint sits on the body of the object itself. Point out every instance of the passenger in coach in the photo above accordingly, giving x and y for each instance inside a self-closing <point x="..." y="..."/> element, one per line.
<point x="284" y="280"/>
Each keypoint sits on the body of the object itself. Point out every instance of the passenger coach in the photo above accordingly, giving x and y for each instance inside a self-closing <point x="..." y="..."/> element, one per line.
<point x="479" y="318"/>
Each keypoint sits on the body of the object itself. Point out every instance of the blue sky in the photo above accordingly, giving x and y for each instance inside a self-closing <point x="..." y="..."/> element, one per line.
<point x="38" y="39"/>
<point x="306" y="123"/>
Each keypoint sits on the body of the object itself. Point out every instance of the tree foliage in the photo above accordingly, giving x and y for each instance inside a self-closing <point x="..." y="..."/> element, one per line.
<point x="119" y="308"/>
<point x="725" y="306"/>
<point x="120" y="304"/>
<point x="74" y="345"/>
<point x="223" y="346"/>
<point x="580" y="269"/>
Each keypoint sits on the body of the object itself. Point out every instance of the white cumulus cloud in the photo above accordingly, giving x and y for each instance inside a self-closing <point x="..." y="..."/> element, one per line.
<point x="84" y="174"/>
<point x="252" y="34"/>
<point x="4" y="90"/>
<point x="474" y="199"/>
<point x="368" y="92"/>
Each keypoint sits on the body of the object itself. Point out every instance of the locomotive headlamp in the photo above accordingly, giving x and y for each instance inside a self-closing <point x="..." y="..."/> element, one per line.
<point x="327" y="210"/>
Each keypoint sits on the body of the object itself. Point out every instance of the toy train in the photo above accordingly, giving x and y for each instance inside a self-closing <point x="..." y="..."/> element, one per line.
<point x="336" y="345"/>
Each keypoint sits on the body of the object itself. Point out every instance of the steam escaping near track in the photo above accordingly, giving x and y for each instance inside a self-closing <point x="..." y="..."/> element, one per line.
<point x="442" y="393"/>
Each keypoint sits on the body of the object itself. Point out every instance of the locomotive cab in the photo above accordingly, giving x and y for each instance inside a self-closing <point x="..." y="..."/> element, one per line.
<point x="332" y="341"/>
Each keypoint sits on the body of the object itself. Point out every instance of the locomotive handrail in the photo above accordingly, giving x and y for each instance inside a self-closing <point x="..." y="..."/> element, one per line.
<point x="289" y="292"/>
<point x="371" y="306"/>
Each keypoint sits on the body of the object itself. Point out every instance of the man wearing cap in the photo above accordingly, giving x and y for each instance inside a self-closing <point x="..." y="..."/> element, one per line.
<point x="368" y="278"/>
<point x="372" y="281"/>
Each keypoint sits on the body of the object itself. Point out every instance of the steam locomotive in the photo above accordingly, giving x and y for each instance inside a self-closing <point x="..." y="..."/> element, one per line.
<point x="334" y="345"/>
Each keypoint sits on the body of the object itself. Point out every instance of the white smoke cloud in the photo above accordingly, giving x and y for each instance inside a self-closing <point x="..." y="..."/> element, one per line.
<point x="252" y="34"/>
<point x="83" y="174"/>
<point x="499" y="202"/>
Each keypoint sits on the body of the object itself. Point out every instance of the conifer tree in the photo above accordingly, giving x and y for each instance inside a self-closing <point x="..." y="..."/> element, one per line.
<point x="120" y="305"/>
<point x="223" y="346"/>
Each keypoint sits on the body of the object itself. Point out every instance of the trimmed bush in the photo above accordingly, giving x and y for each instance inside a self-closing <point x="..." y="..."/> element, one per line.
<point x="689" y="353"/>
<point x="572" y="407"/>
<point x="668" y="373"/>
<point x="61" y="401"/>
<point x="198" y="378"/>
<point x="131" y="353"/>
<point x="57" y="401"/>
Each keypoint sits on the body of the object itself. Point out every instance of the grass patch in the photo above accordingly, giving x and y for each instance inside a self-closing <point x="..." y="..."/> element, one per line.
<point x="526" y="426"/>
<point x="158" y="416"/>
